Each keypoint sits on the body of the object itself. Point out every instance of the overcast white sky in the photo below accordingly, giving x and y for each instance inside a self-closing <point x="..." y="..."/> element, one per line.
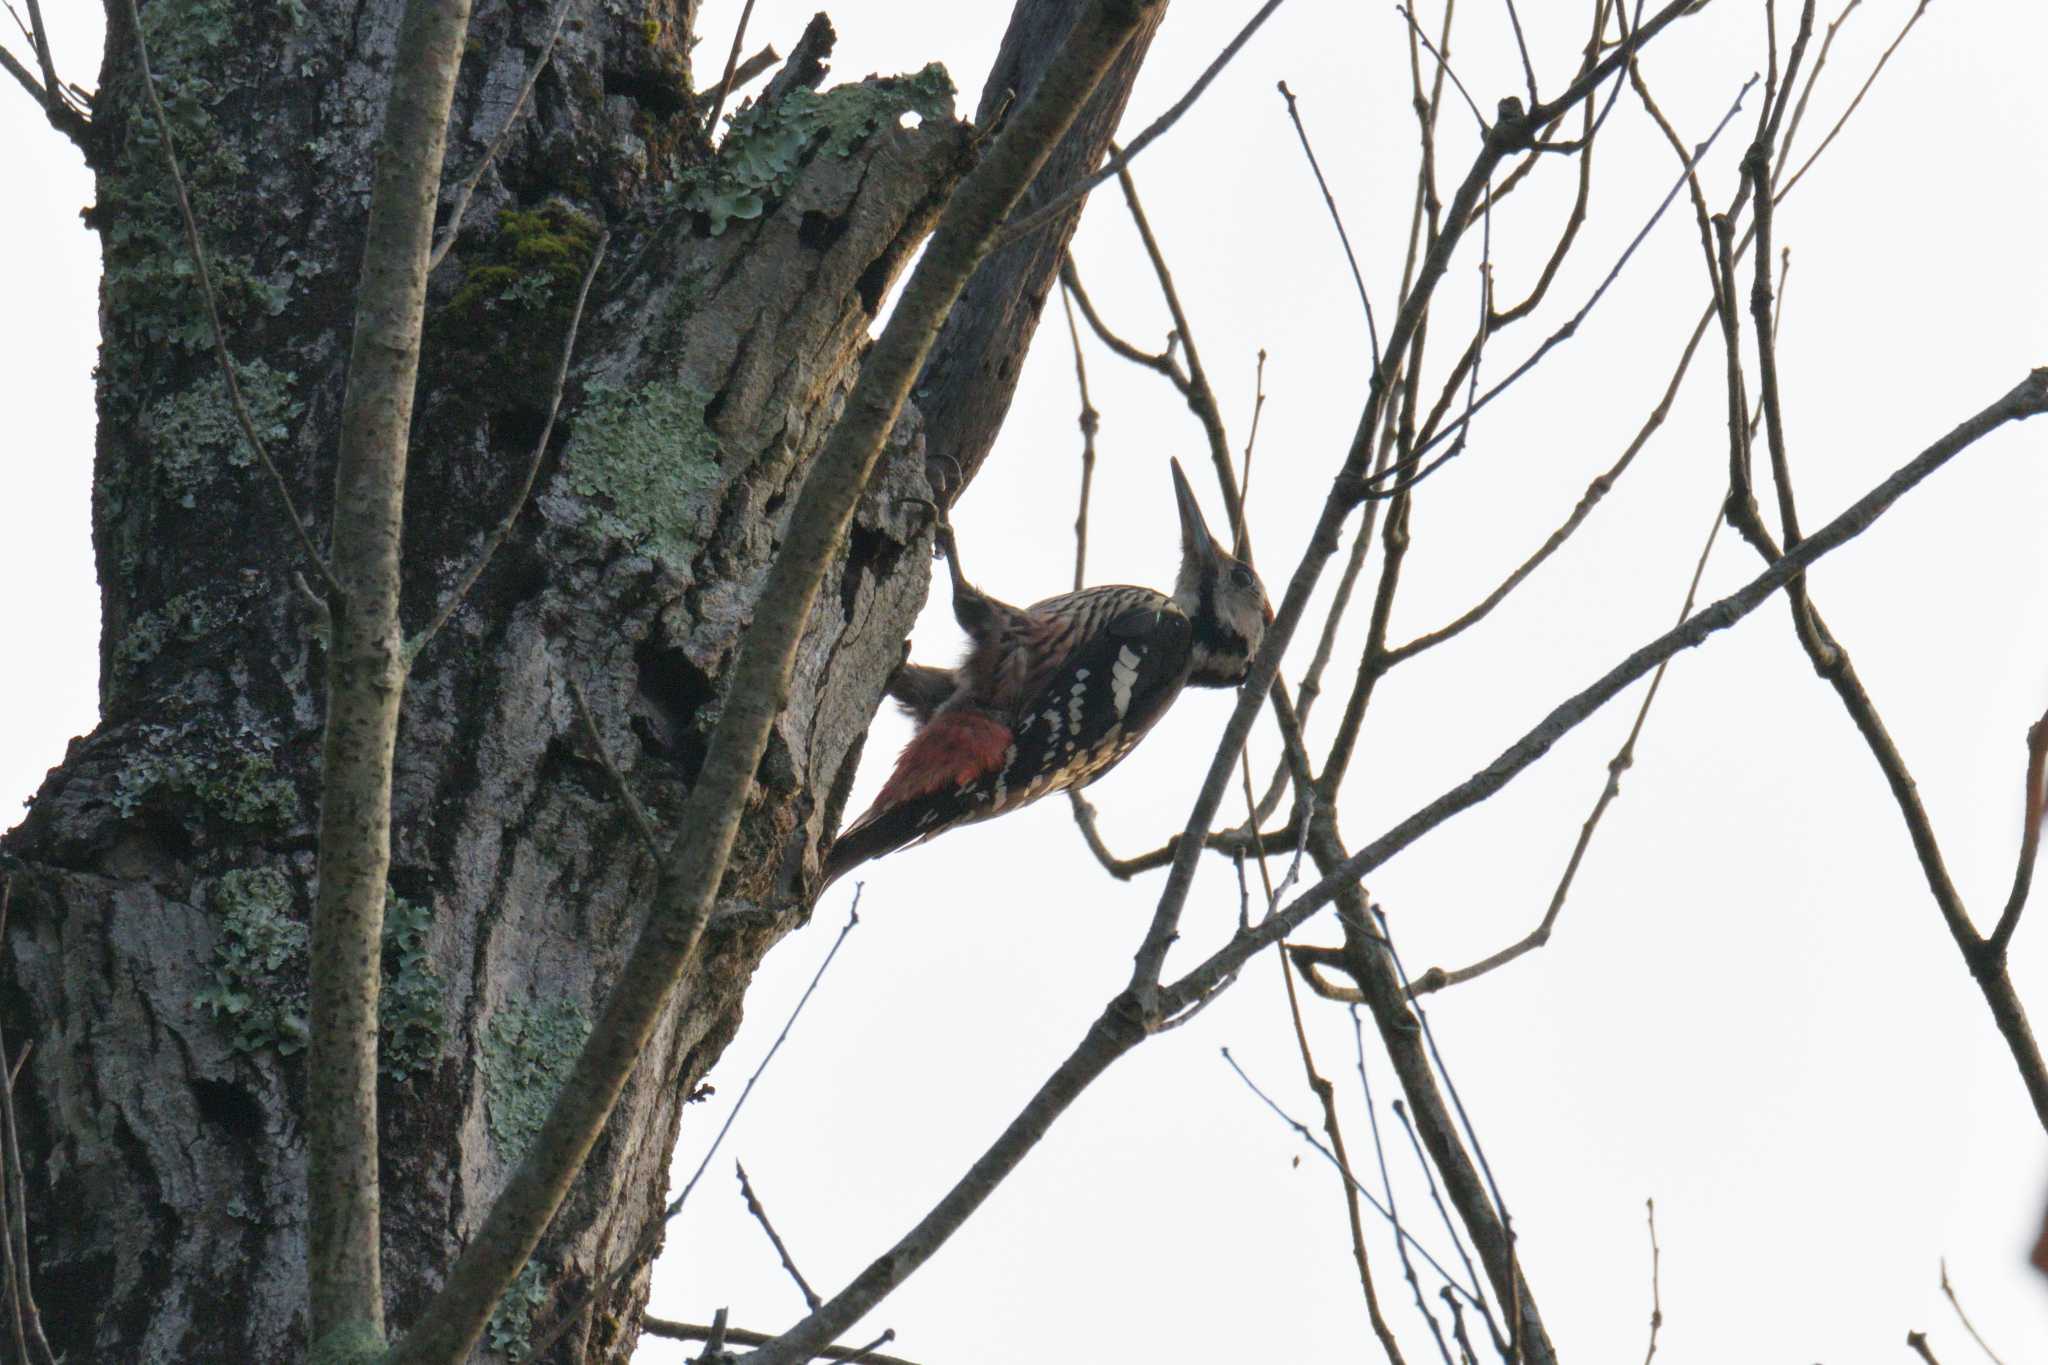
<point x="1750" y="1011"/>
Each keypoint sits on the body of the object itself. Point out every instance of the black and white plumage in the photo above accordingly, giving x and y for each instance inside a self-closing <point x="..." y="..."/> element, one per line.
<point x="1052" y="696"/>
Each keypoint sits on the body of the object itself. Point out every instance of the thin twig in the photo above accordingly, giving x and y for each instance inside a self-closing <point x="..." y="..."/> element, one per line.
<point x="1326" y="1095"/>
<point x="1239" y="533"/>
<point x="1918" y="1342"/>
<point x="1948" y="1291"/>
<point x="1090" y="420"/>
<point x="643" y="825"/>
<point x="1435" y="437"/>
<point x="1812" y="79"/>
<point x="1052" y="208"/>
<point x="811" y="1299"/>
<point x="2034" y="808"/>
<point x="467" y="185"/>
<point x="497" y="537"/>
<point x="1656" y="1282"/>
<point x="1522" y="46"/>
<point x="1387" y="1185"/>
<point x="1442" y="63"/>
<point x="220" y="341"/>
<point x="1868" y="81"/>
<point x="746" y="72"/>
<point x="1201" y="398"/>
<point x="739" y="1336"/>
<point x="1164" y="363"/>
<point x="727" y="81"/>
<point x="1301" y="1130"/>
<point x="1471" y="1288"/>
<point x="1443" y="1072"/>
<point x="66" y="119"/>
<point x="1436" y="978"/>
<point x="1372" y="330"/>
<point x="868" y="1352"/>
<point x="2028" y="398"/>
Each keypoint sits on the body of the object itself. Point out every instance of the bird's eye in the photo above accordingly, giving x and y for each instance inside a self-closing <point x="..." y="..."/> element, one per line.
<point x="1241" y="576"/>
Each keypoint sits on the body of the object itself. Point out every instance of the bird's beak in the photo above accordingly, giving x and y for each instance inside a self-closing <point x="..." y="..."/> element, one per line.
<point x="1195" y="540"/>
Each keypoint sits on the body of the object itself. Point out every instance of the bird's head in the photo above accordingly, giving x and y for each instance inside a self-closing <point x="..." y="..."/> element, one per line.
<point x="1221" y="596"/>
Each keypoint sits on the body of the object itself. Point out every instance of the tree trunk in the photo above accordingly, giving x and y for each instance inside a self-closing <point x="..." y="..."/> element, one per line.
<point x="155" y="955"/>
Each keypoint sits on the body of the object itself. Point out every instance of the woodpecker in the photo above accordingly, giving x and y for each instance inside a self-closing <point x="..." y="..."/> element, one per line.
<point x="1052" y="696"/>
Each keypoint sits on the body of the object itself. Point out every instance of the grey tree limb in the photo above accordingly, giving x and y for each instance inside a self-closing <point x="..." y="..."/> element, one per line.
<point x="366" y="681"/>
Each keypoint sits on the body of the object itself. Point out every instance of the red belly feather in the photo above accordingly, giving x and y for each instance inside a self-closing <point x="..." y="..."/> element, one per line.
<point x="954" y="750"/>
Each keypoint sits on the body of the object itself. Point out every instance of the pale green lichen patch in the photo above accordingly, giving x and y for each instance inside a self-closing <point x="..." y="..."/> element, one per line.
<point x="197" y="433"/>
<point x="259" y="963"/>
<point x="766" y="143"/>
<point x="151" y="289"/>
<point x="260" y="970"/>
<point x="410" y="1008"/>
<point x="228" y="777"/>
<point x="188" y="616"/>
<point x="511" y="1327"/>
<point x="526" y="1053"/>
<point x="647" y="458"/>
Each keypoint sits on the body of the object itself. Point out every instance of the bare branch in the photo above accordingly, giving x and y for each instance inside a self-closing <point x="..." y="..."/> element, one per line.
<point x="1869" y="81"/>
<point x="1090" y="420"/>
<point x="1070" y="279"/>
<point x="1948" y="1292"/>
<point x="745" y="72"/>
<point x="1918" y="1342"/>
<point x="1301" y="1130"/>
<point x="220" y="341"/>
<point x="1656" y="1282"/>
<point x="1436" y="978"/>
<point x="1201" y="397"/>
<point x="1443" y="64"/>
<point x="739" y="1336"/>
<point x="727" y="82"/>
<point x="1230" y="843"/>
<point x="62" y="116"/>
<point x="467" y="186"/>
<point x="2028" y="398"/>
<point x="2034" y="808"/>
<point x="1522" y="46"/>
<point x="1372" y="330"/>
<point x="1119" y="160"/>
<point x="811" y="1299"/>
<point x="1326" y="1096"/>
<point x="1348" y="488"/>
<point x="49" y="92"/>
<point x="1433" y="436"/>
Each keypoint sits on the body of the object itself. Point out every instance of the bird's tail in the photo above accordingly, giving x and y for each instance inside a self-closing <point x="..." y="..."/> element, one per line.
<point x="932" y="788"/>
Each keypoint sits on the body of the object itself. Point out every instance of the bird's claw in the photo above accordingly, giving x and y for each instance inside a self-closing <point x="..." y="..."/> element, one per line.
<point x="942" y="528"/>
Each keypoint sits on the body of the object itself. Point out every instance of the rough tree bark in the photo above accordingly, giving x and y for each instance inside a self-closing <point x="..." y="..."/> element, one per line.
<point x="156" y="949"/>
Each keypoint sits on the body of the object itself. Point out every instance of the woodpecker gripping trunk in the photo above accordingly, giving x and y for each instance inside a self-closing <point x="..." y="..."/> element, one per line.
<point x="1052" y="696"/>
